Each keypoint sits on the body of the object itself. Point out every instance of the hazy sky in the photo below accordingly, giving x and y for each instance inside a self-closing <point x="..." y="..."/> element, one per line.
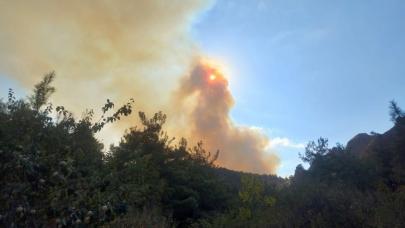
<point x="305" y="69"/>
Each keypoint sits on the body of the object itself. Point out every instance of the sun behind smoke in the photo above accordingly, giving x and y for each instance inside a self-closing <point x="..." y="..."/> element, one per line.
<point x="205" y="92"/>
<point x="122" y="49"/>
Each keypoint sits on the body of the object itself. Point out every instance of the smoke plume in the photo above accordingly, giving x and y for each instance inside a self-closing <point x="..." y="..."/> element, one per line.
<point x="125" y="49"/>
<point x="207" y="119"/>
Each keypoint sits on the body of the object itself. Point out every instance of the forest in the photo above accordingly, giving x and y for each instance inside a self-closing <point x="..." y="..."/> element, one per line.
<point x="55" y="173"/>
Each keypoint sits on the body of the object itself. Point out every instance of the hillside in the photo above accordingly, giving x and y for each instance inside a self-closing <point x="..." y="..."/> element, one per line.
<point x="56" y="174"/>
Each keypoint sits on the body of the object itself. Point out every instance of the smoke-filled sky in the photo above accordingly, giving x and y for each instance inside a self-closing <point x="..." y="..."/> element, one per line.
<point x="131" y="49"/>
<point x="256" y="79"/>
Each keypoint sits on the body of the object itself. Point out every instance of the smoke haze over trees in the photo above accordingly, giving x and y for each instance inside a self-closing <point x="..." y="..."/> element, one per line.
<point x="122" y="49"/>
<point x="180" y="113"/>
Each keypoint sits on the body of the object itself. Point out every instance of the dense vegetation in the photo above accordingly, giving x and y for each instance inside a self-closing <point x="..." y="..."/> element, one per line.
<point x="54" y="173"/>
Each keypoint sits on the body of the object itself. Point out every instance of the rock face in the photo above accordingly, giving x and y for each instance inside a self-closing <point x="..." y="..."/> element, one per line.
<point x="360" y="143"/>
<point x="363" y="143"/>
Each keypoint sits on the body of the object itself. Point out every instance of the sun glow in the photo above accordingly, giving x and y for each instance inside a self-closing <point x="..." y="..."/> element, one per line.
<point x="216" y="69"/>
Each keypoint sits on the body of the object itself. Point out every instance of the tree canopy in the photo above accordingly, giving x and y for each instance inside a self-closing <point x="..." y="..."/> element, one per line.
<point x="55" y="173"/>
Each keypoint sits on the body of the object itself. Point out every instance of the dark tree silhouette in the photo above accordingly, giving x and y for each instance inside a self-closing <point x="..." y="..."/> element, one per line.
<point x="314" y="150"/>
<point x="395" y="111"/>
<point x="55" y="173"/>
<point x="42" y="91"/>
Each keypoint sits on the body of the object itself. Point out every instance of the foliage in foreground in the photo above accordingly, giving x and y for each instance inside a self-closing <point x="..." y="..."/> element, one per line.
<point x="56" y="174"/>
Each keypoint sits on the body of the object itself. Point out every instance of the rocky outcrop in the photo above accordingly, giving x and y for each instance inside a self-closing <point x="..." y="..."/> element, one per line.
<point x="360" y="143"/>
